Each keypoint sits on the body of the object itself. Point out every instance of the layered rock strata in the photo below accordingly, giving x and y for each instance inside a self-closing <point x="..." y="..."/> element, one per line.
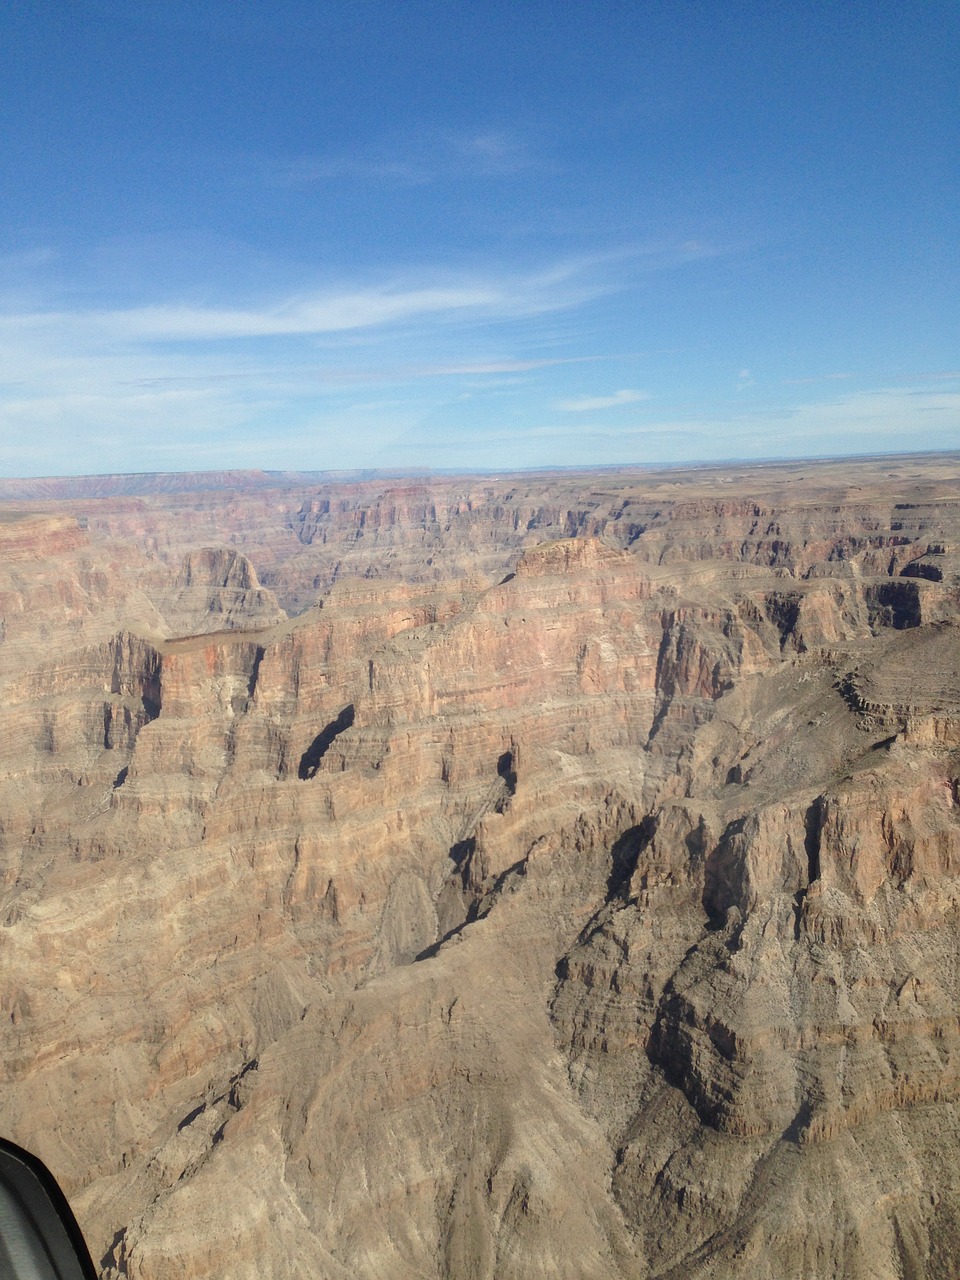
<point x="551" y="876"/>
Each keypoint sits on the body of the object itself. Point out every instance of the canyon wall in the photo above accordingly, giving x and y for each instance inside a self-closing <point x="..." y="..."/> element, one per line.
<point x="551" y="875"/>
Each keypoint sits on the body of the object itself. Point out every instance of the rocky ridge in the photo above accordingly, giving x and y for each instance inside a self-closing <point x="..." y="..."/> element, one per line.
<point x="545" y="876"/>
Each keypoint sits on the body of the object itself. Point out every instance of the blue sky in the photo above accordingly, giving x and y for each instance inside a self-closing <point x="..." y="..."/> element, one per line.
<point x="292" y="234"/>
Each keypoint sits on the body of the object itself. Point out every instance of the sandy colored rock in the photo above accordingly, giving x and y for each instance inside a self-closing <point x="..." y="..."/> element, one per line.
<point x="550" y="876"/>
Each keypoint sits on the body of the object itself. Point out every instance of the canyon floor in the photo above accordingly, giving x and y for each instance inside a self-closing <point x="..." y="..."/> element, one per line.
<point x="543" y="875"/>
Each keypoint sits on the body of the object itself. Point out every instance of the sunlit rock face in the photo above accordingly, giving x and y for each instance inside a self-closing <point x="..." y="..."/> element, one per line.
<point x="549" y="876"/>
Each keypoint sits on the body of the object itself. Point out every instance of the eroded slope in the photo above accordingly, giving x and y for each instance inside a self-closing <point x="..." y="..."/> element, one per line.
<point x="585" y="909"/>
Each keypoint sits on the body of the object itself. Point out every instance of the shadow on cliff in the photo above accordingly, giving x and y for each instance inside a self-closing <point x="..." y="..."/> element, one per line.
<point x="318" y="748"/>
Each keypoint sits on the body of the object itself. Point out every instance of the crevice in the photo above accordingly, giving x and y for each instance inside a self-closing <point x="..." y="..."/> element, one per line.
<point x="481" y="906"/>
<point x="798" y="1126"/>
<point x="663" y="699"/>
<point x="115" y="1258"/>
<point x="799" y="898"/>
<point x="318" y="748"/>
<point x="508" y="772"/>
<point x="189" y="1118"/>
<point x="718" y="892"/>
<point x="784" y="612"/>
<point x="896" y="604"/>
<point x="461" y="855"/>
<point x="624" y="856"/>
<point x="151" y="705"/>
<point x="918" y="569"/>
<point x="847" y="689"/>
<point x="812" y="827"/>
<point x="255" y="671"/>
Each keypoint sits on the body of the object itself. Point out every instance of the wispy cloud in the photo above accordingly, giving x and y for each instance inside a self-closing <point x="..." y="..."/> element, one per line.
<point x="27" y="259"/>
<point x="893" y="419"/>
<point x="496" y="152"/>
<point x="494" y="366"/>
<point x="92" y="420"/>
<point x="587" y="404"/>
<point x="452" y="362"/>
<point x="556" y="287"/>
<point x="330" y="313"/>
<point x="416" y="159"/>
<point x="884" y="419"/>
<point x="308" y="171"/>
<point x="129" y="386"/>
<point x="822" y="377"/>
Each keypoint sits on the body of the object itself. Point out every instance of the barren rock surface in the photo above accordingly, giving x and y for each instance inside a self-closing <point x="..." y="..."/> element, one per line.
<point x="544" y="876"/>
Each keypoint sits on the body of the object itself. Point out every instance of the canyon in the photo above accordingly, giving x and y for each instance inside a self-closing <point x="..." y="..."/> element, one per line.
<point x="544" y="875"/>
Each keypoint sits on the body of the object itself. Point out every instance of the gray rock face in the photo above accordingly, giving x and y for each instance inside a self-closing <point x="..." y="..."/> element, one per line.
<point x="564" y="882"/>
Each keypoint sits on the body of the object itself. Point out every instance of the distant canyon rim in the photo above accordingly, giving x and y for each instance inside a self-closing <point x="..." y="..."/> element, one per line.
<point x="544" y="875"/>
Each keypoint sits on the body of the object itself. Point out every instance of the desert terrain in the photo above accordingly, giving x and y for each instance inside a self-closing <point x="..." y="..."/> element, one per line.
<point x="544" y="875"/>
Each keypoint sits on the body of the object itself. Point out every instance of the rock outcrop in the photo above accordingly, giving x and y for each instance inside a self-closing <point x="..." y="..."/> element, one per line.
<point x="550" y="876"/>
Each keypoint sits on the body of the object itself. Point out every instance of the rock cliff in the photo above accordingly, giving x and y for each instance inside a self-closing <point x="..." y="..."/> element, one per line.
<point x="546" y="876"/>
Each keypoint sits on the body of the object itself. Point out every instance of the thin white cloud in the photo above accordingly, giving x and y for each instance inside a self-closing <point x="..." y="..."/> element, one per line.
<point x="332" y="313"/>
<point x="588" y="404"/>
<point x="493" y="366"/>
<point x="887" y="419"/>
<point x="306" y="171"/>
<point x="301" y="378"/>
<point x="414" y="159"/>
<point x="884" y="420"/>
<point x="495" y="152"/>
<point x="823" y="377"/>
<point x="27" y="258"/>
<point x="121" y="427"/>
<point x="560" y="286"/>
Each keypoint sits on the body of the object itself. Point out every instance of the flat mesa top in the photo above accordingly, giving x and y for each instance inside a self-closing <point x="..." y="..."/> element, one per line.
<point x="917" y="671"/>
